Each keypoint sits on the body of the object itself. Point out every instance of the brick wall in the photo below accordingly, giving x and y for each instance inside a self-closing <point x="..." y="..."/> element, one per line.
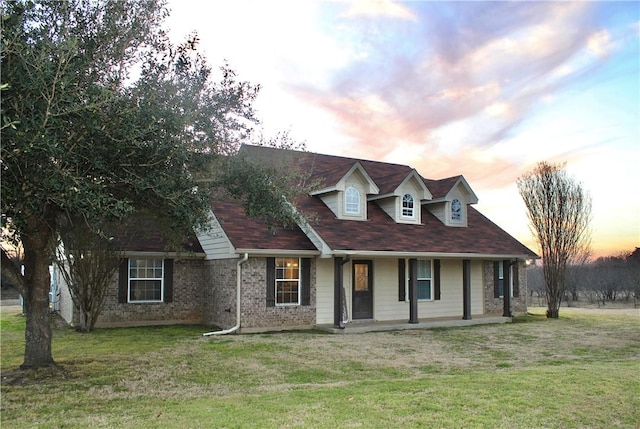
<point x="220" y="293"/>
<point x="496" y="305"/>
<point x="189" y="282"/>
<point x="255" y="315"/>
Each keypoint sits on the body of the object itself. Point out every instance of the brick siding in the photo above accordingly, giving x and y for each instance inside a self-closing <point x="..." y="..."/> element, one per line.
<point x="496" y="305"/>
<point x="189" y="282"/>
<point x="255" y="315"/>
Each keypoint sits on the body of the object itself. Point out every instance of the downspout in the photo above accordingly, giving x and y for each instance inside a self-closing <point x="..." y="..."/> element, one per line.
<point x="238" y="306"/>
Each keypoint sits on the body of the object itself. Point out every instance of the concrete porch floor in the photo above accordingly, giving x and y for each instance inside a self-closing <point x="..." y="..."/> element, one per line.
<point x="361" y="326"/>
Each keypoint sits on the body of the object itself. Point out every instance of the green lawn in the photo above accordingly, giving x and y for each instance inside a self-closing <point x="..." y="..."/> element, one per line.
<point x="581" y="371"/>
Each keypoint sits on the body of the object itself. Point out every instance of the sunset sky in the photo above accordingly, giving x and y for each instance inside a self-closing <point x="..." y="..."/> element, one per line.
<point x="482" y="89"/>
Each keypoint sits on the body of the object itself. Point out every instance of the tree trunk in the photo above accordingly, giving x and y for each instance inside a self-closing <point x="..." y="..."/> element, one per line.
<point x="37" y="351"/>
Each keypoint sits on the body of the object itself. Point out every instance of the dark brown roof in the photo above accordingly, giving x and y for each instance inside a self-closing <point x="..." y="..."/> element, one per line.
<point x="440" y="188"/>
<point x="379" y="232"/>
<point x="250" y="233"/>
<point x="329" y="169"/>
<point x="146" y="236"/>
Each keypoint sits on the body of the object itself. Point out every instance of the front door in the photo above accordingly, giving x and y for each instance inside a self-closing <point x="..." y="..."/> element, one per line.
<point x="362" y="290"/>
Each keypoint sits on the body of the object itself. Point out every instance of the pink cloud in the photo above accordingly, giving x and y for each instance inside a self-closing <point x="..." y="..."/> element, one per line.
<point x="464" y="69"/>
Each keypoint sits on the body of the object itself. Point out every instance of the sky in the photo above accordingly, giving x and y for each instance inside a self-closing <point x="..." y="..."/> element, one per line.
<point x="482" y="89"/>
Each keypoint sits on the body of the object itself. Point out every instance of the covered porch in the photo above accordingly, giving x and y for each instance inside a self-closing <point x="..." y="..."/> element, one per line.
<point x="455" y="290"/>
<point x="359" y="327"/>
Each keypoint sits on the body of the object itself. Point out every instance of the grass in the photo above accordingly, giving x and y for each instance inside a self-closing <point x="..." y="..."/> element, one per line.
<point x="582" y="370"/>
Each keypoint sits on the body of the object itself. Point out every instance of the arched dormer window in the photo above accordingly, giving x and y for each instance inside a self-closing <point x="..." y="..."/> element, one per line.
<point x="456" y="210"/>
<point x="407" y="205"/>
<point x="352" y="201"/>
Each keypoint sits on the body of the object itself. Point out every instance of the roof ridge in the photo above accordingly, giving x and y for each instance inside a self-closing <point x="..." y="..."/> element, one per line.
<point x="302" y="152"/>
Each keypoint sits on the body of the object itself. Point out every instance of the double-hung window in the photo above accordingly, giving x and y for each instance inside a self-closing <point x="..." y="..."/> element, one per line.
<point x="146" y="280"/>
<point x="500" y="275"/>
<point x="424" y="280"/>
<point x="287" y="281"/>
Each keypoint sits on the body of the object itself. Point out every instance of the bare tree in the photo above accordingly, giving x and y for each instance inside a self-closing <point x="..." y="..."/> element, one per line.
<point x="575" y="275"/>
<point x="559" y="212"/>
<point x="87" y="264"/>
<point x="535" y="285"/>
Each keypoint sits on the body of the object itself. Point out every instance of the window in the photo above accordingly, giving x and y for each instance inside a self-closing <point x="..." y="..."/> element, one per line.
<point x="427" y="279"/>
<point x="146" y="280"/>
<point x="424" y="280"/>
<point x="500" y="282"/>
<point x="407" y="205"/>
<point x="352" y="201"/>
<point x="287" y="281"/>
<point x="456" y="210"/>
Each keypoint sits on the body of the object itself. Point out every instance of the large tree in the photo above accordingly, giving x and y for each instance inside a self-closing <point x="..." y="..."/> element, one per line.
<point x="559" y="211"/>
<point x="104" y="118"/>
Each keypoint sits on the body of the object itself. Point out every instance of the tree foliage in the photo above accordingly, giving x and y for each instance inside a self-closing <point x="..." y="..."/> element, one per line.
<point x="87" y="263"/>
<point x="559" y="212"/>
<point x="104" y="118"/>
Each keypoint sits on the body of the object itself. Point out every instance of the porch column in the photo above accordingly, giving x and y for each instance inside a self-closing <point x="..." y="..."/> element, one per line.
<point x="413" y="291"/>
<point x="337" y="293"/>
<point x="466" y="289"/>
<point x="506" y="288"/>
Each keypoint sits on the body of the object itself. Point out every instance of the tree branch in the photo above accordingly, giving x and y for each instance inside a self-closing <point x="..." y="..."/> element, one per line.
<point x="12" y="272"/>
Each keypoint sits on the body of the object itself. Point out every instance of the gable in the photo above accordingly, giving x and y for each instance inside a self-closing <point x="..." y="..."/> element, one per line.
<point x="347" y="199"/>
<point x="235" y="232"/>
<point x="382" y="186"/>
<point x="382" y="235"/>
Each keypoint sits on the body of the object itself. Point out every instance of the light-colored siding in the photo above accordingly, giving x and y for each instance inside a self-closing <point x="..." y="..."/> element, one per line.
<point x="333" y="200"/>
<point x="390" y="206"/>
<point x="215" y="242"/>
<point x="324" y="290"/>
<point x="387" y="306"/>
<point x="385" y="291"/>
<point x="461" y="194"/>
<point x="438" y="210"/>
<point x="357" y="181"/>
<point x="412" y="188"/>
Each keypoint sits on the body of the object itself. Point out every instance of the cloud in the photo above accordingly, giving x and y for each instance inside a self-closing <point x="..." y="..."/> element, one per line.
<point x="600" y="43"/>
<point x="378" y="8"/>
<point x="459" y="79"/>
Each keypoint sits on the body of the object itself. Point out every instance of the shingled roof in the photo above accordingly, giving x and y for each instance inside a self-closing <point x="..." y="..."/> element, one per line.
<point x="379" y="233"/>
<point x="245" y="232"/>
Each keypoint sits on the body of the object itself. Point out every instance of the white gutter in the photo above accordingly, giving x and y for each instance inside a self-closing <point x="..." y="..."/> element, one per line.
<point x="391" y="254"/>
<point x="238" y="306"/>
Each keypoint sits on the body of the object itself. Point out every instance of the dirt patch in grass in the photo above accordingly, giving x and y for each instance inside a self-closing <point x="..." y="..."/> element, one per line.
<point x="414" y="378"/>
<point x="614" y="309"/>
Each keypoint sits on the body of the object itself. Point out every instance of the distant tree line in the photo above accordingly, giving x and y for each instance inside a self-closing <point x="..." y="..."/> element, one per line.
<point x="602" y="281"/>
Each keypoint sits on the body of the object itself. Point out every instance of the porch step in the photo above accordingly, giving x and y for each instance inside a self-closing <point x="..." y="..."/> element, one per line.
<point x="373" y="326"/>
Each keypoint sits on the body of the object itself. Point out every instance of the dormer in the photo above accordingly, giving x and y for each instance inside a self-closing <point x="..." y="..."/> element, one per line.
<point x="451" y="207"/>
<point x="404" y="204"/>
<point x="347" y="199"/>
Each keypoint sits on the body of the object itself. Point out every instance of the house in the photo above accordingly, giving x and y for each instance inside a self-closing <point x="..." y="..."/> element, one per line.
<point x="381" y="244"/>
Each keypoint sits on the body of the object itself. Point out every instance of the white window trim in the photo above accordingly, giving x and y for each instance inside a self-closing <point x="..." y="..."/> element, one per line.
<point x="277" y="280"/>
<point x="408" y="279"/>
<point x="451" y="219"/>
<point x="347" y="203"/>
<point x="129" y="279"/>
<point x="413" y="207"/>
<point x="427" y="278"/>
<point x="501" y="277"/>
